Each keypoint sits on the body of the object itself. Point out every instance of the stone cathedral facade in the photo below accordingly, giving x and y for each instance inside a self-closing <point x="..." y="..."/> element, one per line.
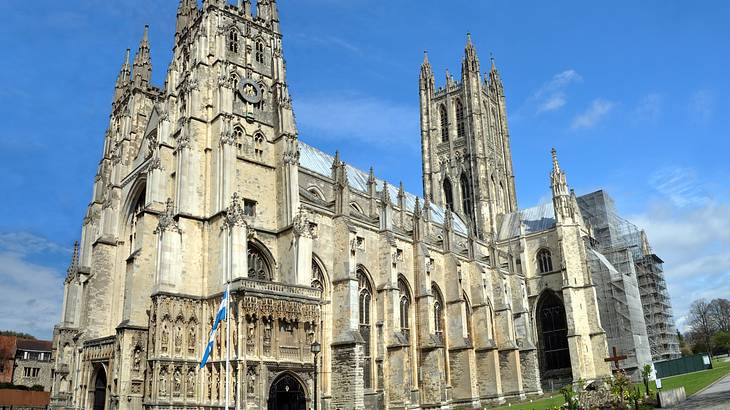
<point x="458" y="299"/>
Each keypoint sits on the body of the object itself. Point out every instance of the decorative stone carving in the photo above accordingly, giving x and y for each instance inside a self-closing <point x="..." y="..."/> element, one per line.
<point x="167" y="219"/>
<point x="302" y="225"/>
<point x="234" y="213"/>
<point x="178" y="339"/>
<point x="164" y="339"/>
<point x="251" y="380"/>
<point x="191" y="338"/>
<point x="191" y="383"/>
<point x="163" y="382"/>
<point x="137" y="359"/>
<point x="177" y="383"/>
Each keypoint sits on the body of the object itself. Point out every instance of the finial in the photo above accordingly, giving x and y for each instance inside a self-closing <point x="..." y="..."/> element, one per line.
<point x="126" y="58"/>
<point x="491" y="58"/>
<point x="468" y="38"/>
<point x="554" y="153"/>
<point x="425" y="57"/>
<point x="146" y="35"/>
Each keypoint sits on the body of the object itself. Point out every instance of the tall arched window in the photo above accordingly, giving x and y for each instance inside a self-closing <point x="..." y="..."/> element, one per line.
<point x="444" y="123"/>
<point x="460" y="123"/>
<point x="258" y="266"/>
<point x="135" y="214"/>
<point x="544" y="261"/>
<point x="365" y="302"/>
<point x="466" y="200"/>
<point x="233" y="41"/>
<point x="317" y="276"/>
<point x="405" y="305"/>
<point x="438" y="309"/>
<point x="260" y="51"/>
<point x="448" y="195"/>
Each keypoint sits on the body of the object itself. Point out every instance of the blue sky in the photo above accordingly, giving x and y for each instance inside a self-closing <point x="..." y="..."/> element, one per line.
<point x="633" y="95"/>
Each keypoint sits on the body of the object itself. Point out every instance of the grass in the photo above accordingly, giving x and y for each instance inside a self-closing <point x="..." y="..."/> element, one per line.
<point x="692" y="382"/>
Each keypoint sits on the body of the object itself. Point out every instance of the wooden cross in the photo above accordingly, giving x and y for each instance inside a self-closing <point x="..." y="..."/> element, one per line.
<point x="615" y="358"/>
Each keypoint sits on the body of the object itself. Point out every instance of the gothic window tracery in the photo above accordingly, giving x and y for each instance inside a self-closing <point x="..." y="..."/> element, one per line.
<point x="259" y="51"/>
<point x="444" y="123"/>
<point x="134" y="216"/>
<point x="258" y="140"/>
<point x="317" y="276"/>
<point x="365" y="299"/>
<point x="405" y="305"/>
<point x="448" y="195"/>
<point x="233" y="41"/>
<point x="544" y="261"/>
<point x="438" y="309"/>
<point x="466" y="195"/>
<point x="258" y="266"/>
<point x="460" y="122"/>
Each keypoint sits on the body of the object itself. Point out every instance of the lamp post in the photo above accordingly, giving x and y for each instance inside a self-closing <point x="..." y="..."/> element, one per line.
<point x="316" y="348"/>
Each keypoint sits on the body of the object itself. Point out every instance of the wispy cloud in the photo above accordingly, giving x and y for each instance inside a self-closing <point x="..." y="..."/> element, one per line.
<point x="649" y="107"/>
<point x="367" y="119"/>
<point x="680" y="185"/>
<point x="552" y="95"/>
<point x="329" y="41"/>
<point x="31" y="293"/>
<point x="690" y="230"/>
<point x="702" y="105"/>
<point x="598" y="109"/>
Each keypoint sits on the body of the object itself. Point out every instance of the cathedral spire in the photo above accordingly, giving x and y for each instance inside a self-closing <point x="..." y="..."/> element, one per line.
<point x="142" y="61"/>
<point x="123" y="77"/>
<point x="471" y="60"/>
<point x="494" y="79"/>
<point x="562" y="198"/>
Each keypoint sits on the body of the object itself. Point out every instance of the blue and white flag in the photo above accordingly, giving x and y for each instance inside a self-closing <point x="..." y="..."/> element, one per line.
<point x="221" y="315"/>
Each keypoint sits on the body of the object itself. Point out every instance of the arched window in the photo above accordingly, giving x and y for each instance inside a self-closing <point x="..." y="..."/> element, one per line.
<point x="544" y="261"/>
<point x="448" y="195"/>
<point x="316" y="192"/>
<point x="460" y="123"/>
<point x="258" y="266"/>
<point x="135" y="214"/>
<point x="317" y="276"/>
<point x="354" y="206"/>
<point x="258" y="141"/>
<point x="444" y="124"/>
<point x="260" y="51"/>
<point x="235" y="81"/>
<point x="438" y="309"/>
<point x="502" y="196"/>
<point x="365" y="301"/>
<point x="466" y="200"/>
<point x="233" y="41"/>
<point x="405" y="305"/>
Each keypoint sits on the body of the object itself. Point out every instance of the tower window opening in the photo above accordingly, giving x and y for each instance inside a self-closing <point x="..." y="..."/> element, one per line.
<point x="460" y="123"/>
<point x="233" y="41"/>
<point x="466" y="196"/>
<point x="448" y="195"/>
<point x="444" y="124"/>
<point x="260" y="52"/>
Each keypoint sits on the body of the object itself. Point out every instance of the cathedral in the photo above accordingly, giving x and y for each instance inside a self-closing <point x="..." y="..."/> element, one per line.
<point x="454" y="299"/>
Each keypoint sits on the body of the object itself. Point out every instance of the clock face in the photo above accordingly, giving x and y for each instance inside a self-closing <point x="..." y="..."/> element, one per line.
<point x="249" y="91"/>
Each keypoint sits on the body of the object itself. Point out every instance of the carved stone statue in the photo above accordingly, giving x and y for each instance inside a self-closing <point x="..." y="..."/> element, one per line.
<point x="177" y="382"/>
<point x="137" y="358"/>
<point x="191" y="339"/>
<point x="178" y="339"/>
<point x="191" y="383"/>
<point x="164" y="339"/>
<point x="163" y="383"/>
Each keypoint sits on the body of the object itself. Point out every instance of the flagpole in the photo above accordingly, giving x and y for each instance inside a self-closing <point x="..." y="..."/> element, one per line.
<point x="228" y="338"/>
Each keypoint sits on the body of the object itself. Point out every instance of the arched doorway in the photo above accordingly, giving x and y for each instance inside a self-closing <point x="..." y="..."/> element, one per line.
<point x="100" y="390"/>
<point x="287" y="393"/>
<point x="552" y="328"/>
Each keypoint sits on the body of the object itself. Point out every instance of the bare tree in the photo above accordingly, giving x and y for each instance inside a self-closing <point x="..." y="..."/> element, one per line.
<point x="720" y="315"/>
<point x="700" y="321"/>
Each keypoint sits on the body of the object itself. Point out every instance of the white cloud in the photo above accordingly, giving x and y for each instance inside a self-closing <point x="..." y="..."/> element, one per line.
<point x="690" y="231"/>
<point x="680" y="185"/>
<point x="31" y="295"/>
<point x="702" y="105"/>
<point x="598" y="109"/>
<point x="366" y="119"/>
<point x="31" y="292"/>
<point x="551" y="95"/>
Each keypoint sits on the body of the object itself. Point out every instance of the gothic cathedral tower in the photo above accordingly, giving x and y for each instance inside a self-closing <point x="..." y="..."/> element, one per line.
<point x="467" y="161"/>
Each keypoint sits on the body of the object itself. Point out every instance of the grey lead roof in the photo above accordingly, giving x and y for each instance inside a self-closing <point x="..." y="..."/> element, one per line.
<point x="536" y="219"/>
<point x="321" y="163"/>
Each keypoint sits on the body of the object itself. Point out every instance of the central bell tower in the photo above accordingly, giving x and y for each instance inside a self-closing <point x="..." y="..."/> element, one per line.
<point x="467" y="160"/>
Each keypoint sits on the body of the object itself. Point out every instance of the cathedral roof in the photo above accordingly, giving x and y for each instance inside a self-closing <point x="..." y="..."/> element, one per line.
<point x="314" y="160"/>
<point x="536" y="219"/>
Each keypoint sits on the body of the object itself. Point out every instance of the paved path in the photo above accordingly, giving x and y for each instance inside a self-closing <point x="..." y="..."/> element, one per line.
<point x="716" y="397"/>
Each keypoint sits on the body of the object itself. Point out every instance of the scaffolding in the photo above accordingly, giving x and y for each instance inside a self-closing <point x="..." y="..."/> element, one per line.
<point x="641" y="291"/>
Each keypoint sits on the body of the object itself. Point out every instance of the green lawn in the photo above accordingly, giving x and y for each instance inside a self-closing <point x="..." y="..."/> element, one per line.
<point x="692" y="382"/>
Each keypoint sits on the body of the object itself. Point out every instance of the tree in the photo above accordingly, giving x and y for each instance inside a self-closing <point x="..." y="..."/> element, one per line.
<point x="700" y="321"/>
<point x="645" y="373"/>
<point x="721" y="341"/>
<point x="19" y="335"/>
<point x="720" y="314"/>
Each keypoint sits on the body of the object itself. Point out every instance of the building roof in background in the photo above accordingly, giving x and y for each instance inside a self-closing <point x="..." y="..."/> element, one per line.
<point x="35" y="345"/>
<point x="321" y="163"/>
